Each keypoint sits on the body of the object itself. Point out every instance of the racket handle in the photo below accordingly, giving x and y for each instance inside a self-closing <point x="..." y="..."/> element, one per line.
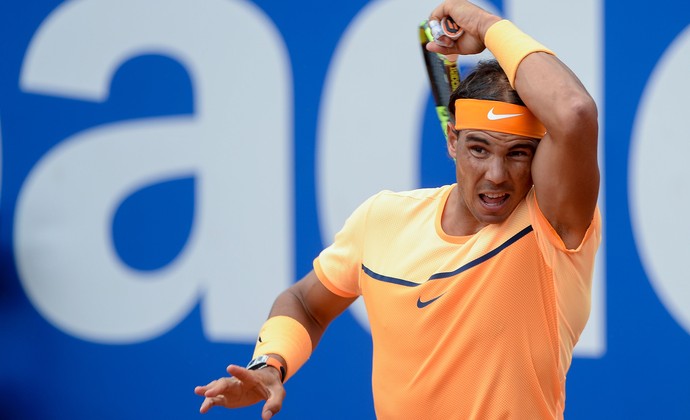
<point x="446" y="32"/>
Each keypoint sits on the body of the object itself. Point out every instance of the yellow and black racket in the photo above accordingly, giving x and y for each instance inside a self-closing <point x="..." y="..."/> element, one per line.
<point x="444" y="76"/>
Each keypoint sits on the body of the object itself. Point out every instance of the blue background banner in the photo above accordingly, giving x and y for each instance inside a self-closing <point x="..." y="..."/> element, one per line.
<point x="169" y="166"/>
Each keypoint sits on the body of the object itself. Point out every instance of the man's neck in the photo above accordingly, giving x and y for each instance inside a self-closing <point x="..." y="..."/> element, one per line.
<point x="456" y="219"/>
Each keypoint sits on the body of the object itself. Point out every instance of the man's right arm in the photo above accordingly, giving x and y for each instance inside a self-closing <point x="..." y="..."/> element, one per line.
<point x="311" y="304"/>
<point x="308" y="302"/>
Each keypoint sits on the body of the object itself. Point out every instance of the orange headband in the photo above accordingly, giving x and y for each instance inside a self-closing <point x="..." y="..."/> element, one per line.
<point x="497" y="116"/>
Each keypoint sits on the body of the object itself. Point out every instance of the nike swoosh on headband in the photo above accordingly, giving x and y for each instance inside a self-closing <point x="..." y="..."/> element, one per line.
<point x="493" y="117"/>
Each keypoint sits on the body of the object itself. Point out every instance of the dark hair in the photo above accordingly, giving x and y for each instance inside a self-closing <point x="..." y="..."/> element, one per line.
<point x="487" y="81"/>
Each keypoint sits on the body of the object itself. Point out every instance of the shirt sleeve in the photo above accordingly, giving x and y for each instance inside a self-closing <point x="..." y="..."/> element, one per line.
<point x="339" y="265"/>
<point x="550" y="241"/>
<point x="572" y="274"/>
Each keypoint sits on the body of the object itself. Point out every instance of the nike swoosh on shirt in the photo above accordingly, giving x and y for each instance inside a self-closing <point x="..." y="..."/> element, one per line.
<point x="421" y="304"/>
<point x="493" y="117"/>
<point x="446" y="274"/>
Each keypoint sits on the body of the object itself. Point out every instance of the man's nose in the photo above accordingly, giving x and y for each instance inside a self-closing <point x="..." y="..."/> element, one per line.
<point x="497" y="171"/>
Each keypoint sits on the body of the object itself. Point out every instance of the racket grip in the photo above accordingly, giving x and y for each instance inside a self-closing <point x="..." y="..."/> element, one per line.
<point x="446" y="32"/>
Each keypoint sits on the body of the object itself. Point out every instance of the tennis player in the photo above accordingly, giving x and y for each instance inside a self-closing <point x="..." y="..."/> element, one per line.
<point x="476" y="292"/>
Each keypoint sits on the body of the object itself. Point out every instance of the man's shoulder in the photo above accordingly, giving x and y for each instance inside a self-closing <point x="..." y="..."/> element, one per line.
<point x="419" y="194"/>
<point x="389" y="204"/>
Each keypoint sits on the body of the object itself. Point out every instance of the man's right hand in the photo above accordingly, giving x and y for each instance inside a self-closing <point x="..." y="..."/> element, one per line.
<point x="244" y="388"/>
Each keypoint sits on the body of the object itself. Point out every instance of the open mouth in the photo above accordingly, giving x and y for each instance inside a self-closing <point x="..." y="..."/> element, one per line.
<point x="494" y="200"/>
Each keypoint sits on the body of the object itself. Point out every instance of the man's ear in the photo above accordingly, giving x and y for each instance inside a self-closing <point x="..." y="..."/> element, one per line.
<point x="452" y="139"/>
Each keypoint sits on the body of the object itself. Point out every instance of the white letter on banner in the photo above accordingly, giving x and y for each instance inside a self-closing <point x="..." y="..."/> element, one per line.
<point x="658" y="179"/>
<point x="243" y="203"/>
<point x="371" y="114"/>
<point x="574" y="30"/>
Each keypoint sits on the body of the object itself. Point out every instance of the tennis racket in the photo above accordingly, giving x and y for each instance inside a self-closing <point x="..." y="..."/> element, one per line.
<point x="444" y="76"/>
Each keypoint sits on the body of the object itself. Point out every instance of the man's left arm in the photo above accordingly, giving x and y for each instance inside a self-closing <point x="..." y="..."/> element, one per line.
<point x="565" y="169"/>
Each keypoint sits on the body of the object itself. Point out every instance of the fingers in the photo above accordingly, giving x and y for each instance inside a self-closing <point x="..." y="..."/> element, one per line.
<point x="213" y="393"/>
<point x="213" y="389"/>
<point x="211" y="402"/>
<point x="445" y="42"/>
<point x="234" y="369"/>
<point x="244" y="388"/>
<point x="438" y="13"/>
<point x="436" y="48"/>
<point x="274" y="403"/>
<point x="266" y="384"/>
<point x="246" y="376"/>
<point x="201" y="390"/>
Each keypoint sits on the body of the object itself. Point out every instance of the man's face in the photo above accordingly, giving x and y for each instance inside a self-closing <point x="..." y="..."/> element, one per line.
<point x="493" y="172"/>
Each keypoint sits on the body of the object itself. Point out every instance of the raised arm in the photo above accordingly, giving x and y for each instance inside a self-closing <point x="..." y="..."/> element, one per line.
<point x="565" y="171"/>
<point x="310" y="304"/>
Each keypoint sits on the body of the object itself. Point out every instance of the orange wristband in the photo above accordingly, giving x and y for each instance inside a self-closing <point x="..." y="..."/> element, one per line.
<point x="287" y="338"/>
<point x="510" y="46"/>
